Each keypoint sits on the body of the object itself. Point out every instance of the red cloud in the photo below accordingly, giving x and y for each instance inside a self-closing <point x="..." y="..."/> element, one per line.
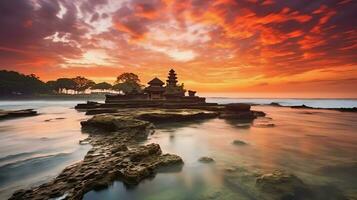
<point x="234" y="38"/>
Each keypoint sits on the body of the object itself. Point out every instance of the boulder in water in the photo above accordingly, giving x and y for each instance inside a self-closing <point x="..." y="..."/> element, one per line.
<point x="240" y="107"/>
<point x="284" y="186"/>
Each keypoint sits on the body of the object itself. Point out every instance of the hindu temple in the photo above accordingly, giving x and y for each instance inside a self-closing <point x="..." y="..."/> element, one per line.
<point x="159" y="92"/>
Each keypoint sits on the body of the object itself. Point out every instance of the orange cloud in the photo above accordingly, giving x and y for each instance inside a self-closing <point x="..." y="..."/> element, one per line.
<point x="215" y="46"/>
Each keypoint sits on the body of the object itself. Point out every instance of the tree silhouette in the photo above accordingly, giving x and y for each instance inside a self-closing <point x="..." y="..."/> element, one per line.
<point x="82" y="83"/>
<point x="127" y="77"/>
<point x="14" y="83"/>
<point x="64" y="83"/>
<point x="102" y="86"/>
<point x="128" y="83"/>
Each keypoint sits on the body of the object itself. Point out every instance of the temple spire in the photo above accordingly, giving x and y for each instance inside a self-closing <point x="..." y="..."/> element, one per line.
<point x="172" y="78"/>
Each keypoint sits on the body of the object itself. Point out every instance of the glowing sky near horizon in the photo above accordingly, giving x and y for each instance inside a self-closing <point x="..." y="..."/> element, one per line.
<point x="227" y="46"/>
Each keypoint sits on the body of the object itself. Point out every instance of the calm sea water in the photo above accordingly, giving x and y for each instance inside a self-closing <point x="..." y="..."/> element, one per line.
<point x="317" y="103"/>
<point x="34" y="150"/>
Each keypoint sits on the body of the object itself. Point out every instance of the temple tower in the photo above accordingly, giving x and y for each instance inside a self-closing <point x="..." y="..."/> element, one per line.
<point x="173" y="91"/>
<point x="172" y="79"/>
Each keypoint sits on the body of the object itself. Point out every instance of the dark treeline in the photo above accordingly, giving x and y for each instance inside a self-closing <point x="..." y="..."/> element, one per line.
<point x="13" y="83"/>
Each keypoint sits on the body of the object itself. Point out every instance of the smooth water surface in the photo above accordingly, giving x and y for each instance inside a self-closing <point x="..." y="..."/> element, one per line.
<point x="311" y="144"/>
<point x="316" y="103"/>
<point x="35" y="149"/>
<point x="318" y="146"/>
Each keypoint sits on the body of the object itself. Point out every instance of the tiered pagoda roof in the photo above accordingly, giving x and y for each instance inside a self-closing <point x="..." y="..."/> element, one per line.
<point x="156" y="82"/>
<point x="172" y="78"/>
<point x="155" y="85"/>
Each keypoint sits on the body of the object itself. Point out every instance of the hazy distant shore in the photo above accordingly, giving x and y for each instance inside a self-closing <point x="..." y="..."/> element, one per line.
<point x="85" y="97"/>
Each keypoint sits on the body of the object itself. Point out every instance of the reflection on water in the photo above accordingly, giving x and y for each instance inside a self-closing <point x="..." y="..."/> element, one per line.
<point x="317" y="103"/>
<point x="35" y="149"/>
<point x="318" y="146"/>
<point x="311" y="146"/>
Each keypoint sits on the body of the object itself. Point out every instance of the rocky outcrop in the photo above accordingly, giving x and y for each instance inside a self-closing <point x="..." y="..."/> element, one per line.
<point x="12" y="114"/>
<point x="97" y="111"/>
<point x="238" y="107"/>
<point x="115" y="155"/>
<point x="172" y="116"/>
<point x="140" y="118"/>
<point x="115" y="123"/>
<point x="240" y="111"/>
<point x="88" y="105"/>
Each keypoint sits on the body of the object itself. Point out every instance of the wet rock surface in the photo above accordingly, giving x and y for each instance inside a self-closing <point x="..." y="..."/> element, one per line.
<point x="236" y="107"/>
<point x="12" y="114"/>
<point x="177" y="115"/>
<point x="239" y="143"/>
<point x="115" y="123"/>
<point x="240" y="111"/>
<point x="116" y="155"/>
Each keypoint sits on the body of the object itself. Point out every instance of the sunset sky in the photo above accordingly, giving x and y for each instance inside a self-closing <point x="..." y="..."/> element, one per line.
<point x="289" y="48"/>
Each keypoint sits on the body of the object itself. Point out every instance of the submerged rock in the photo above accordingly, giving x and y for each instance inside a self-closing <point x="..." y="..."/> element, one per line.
<point x="344" y="170"/>
<point x="239" y="143"/>
<point x="206" y="159"/>
<point x="283" y="186"/>
<point x="277" y="185"/>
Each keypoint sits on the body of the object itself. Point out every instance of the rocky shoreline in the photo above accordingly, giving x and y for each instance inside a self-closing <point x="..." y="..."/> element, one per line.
<point x="116" y="152"/>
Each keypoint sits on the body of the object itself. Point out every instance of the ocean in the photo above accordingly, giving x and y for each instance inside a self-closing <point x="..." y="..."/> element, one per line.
<point x="33" y="150"/>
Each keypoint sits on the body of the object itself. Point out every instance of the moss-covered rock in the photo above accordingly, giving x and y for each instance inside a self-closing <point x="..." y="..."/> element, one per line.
<point x="283" y="186"/>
